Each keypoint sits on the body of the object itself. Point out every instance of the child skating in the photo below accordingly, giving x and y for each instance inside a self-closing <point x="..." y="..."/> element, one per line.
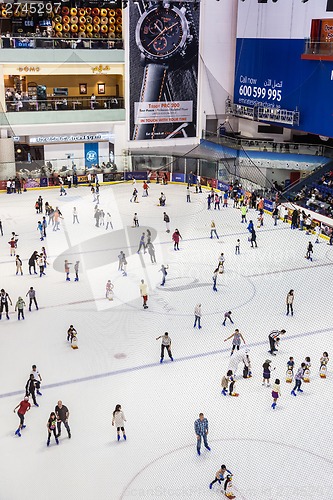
<point x="51" y="428"/>
<point x="67" y="269"/>
<point x="323" y="365"/>
<point x="228" y="383"/>
<point x="118" y="419"/>
<point x="266" y="373"/>
<point x="109" y="290"/>
<point x="276" y="392"/>
<point x="223" y="475"/>
<point x="298" y="380"/>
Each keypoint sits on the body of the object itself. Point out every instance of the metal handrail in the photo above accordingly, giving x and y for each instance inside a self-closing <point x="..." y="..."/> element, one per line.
<point x="268" y="146"/>
<point x="30" y="42"/>
<point x="63" y="103"/>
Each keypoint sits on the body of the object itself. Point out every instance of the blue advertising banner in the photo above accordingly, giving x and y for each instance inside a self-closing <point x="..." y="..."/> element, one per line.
<point x="270" y="72"/>
<point x="268" y="205"/>
<point x="178" y="177"/>
<point x="91" y="156"/>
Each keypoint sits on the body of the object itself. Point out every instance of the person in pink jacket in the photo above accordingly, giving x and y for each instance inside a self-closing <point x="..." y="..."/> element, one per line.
<point x="176" y="237"/>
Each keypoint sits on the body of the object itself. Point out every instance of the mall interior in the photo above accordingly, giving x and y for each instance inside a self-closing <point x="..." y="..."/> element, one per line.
<point x="220" y="89"/>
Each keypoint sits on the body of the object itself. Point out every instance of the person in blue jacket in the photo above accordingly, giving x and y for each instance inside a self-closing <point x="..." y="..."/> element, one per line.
<point x="250" y="227"/>
<point x="221" y="475"/>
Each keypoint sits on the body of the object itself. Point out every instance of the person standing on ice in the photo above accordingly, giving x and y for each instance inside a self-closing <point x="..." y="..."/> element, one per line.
<point x="298" y="379"/>
<point x="236" y="340"/>
<point x="22" y="407"/>
<point x="290" y="302"/>
<point x="197" y="316"/>
<point x="165" y="344"/>
<point x="276" y="392"/>
<point x="201" y="432"/>
<point x="51" y="427"/>
<point x="118" y="419"/>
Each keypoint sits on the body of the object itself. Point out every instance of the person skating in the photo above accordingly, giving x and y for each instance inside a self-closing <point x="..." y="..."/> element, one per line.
<point x="164" y="273"/>
<point x="275" y="215"/>
<point x="51" y="428"/>
<point x="32" y="297"/>
<point x="41" y="264"/>
<point x="142" y="243"/>
<point x="40" y="229"/>
<point x="298" y="379"/>
<point x="266" y="375"/>
<point x="18" y="263"/>
<point x="276" y="392"/>
<point x="4" y="299"/>
<point x="274" y="338"/>
<point x="12" y="245"/>
<point x="166" y="219"/>
<point x="19" y="307"/>
<point x="135" y="220"/>
<point x="323" y="365"/>
<point x="75" y="216"/>
<point x="165" y="344"/>
<point x="188" y="194"/>
<point x="215" y="274"/>
<point x="176" y="237"/>
<point x="108" y="221"/>
<point x="71" y="332"/>
<point x="62" y="414"/>
<point x="213" y="230"/>
<point x="236" y="340"/>
<point x="151" y="251"/>
<point x="197" y="316"/>
<point x="109" y="290"/>
<point x="228" y="380"/>
<point x="201" y="432"/>
<point x="227" y="315"/>
<point x="237" y="247"/>
<point x="309" y="251"/>
<point x="37" y="378"/>
<point x="290" y="302"/>
<point x="67" y="269"/>
<point x="30" y="388"/>
<point x="76" y="269"/>
<point x="243" y="213"/>
<point x="32" y="262"/>
<point x="253" y="239"/>
<point x="220" y="476"/>
<point x="22" y="407"/>
<point x="144" y="293"/>
<point x="118" y="419"/>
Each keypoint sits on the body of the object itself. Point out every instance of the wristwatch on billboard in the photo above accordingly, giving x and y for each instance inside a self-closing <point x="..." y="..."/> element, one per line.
<point x="164" y="34"/>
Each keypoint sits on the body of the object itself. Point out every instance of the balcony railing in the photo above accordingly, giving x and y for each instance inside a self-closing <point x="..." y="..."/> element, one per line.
<point x="60" y="43"/>
<point x="318" y="48"/>
<point x="65" y="103"/>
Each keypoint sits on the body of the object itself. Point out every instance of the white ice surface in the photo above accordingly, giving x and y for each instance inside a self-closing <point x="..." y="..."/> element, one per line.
<point x="281" y="454"/>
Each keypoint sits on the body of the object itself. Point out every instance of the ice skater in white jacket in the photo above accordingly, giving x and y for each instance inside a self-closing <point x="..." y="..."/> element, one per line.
<point x="118" y="419"/>
<point x="238" y="358"/>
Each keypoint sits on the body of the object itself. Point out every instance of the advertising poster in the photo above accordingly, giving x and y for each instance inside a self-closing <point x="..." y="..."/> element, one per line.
<point x="163" y="43"/>
<point x="91" y="154"/>
<point x="271" y="69"/>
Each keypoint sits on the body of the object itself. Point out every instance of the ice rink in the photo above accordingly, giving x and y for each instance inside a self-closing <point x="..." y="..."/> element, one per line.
<point x="284" y="454"/>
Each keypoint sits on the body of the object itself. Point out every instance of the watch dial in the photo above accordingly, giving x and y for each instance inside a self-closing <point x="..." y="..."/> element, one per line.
<point x="162" y="32"/>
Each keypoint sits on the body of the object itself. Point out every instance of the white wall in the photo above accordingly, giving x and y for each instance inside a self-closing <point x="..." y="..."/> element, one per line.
<point x="218" y="22"/>
<point x="249" y="129"/>
<point x="283" y="19"/>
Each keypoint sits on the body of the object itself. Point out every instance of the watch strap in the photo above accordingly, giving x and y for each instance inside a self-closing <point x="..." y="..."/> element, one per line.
<point x="153" y="82"/>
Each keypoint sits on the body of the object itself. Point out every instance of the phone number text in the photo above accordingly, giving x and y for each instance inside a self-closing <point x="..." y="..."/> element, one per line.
<point x="260" y="92"/>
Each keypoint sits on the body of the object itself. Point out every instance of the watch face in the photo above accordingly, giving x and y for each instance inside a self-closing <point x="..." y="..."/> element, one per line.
<point x="161" y="32"/>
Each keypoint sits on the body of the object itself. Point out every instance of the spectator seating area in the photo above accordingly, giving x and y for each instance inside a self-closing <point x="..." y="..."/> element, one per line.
<point x="318" y="196"/>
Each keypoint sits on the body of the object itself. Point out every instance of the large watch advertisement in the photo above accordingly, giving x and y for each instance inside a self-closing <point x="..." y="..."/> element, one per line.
<point x="163" y="54"/>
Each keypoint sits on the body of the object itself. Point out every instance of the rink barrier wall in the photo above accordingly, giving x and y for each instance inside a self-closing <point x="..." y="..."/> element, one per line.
<point x="326" y="223"/>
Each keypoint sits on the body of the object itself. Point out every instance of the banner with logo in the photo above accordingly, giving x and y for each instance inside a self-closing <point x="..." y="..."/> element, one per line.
<point x="163" y="52"/>
<point x="91" y="156"/>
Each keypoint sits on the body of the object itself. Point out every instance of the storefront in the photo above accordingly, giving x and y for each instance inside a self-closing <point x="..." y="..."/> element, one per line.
<point x="40" y="155"/>
<point x="26" y="24"/>
<point x="54" y="87"/>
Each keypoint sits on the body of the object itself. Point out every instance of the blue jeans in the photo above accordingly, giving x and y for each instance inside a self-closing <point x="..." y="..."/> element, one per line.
<point x="213" y="231"/>
<point x="199" y="441"/>
<point x="298" y="384"/>
<point x="197" y="319"/>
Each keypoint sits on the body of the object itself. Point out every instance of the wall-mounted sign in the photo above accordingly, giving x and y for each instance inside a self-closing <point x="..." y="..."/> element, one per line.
<point x="51" y="139"/>
<point x="100" y="68"/>
<point x="28" y="69"/>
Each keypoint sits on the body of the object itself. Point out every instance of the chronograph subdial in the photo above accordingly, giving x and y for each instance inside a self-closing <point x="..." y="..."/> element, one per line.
<point x="160" y="43"/>
<point x="156" y="27"/>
